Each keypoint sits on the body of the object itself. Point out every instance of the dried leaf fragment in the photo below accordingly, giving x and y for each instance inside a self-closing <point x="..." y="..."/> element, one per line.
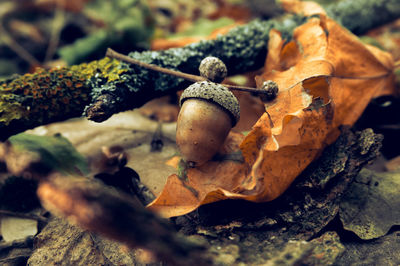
<point x="370" y="206"/>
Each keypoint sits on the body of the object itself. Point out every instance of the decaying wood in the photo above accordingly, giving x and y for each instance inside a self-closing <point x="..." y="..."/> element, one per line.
<point x="61" y="243"/>
<point x="16" y="252"/>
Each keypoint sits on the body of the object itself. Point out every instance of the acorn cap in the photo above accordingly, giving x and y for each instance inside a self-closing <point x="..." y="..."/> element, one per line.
<point x="215" y="93"/>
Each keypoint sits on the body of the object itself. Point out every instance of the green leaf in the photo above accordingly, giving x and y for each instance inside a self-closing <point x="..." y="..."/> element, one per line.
<point x="204" y="27"/>
<point x="55" y="152"/>
<point x="127" y="23"/>
<point x="84" y="47"/>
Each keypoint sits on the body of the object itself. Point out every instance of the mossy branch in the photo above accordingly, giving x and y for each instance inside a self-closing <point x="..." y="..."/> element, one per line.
<point x="50" y="95"/>
<point x="102" y="88"/>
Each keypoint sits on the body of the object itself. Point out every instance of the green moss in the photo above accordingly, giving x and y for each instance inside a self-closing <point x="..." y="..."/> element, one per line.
<point x="42" y="94"/>
<point x="359" y="16"/>
<point x="9" y="108"/>
<point x="46" y="95"/>
<point x="106" y="69"/>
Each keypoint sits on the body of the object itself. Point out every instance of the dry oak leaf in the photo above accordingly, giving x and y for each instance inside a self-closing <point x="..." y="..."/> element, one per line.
<point x="326" y="78"/>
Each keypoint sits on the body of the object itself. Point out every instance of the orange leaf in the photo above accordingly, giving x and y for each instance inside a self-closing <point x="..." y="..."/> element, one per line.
<point x="163" y="44"/>
<point x="307" y="8"/>
<point x="326" y="78"/>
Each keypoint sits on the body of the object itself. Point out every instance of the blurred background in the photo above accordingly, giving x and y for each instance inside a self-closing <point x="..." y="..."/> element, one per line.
<point x="49" y="33"/>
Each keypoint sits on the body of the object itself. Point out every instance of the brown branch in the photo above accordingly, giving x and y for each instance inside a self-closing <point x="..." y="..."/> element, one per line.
<point x="24" y="215"/>
<point x="193" y="78"/>
<point x="99" y="209"/>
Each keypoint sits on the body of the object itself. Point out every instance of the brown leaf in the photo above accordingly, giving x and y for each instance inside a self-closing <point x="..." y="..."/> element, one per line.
<point x="161" y="110"/>
<point x="326" y="78"/>
<point x="251" y="108"/>
<point x="207" y="183"/>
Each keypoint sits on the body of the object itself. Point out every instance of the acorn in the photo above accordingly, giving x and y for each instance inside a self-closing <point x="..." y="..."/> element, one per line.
<point x="213" y="69"/>
<point x="271" y="89"/>
<point x="208" y="112"/>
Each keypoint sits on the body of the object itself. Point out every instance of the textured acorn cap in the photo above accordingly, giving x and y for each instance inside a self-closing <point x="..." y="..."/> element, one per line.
<point x="215" y="93"/>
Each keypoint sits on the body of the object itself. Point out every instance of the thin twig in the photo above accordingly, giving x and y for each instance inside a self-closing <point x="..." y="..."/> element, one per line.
<point x="113" y="54"/>
<point x="58" y="22"/>
<point x="244" y="88"/>
<point x="18" y="49"/>
<point x="193" y="78"/>
<point x="23" y="215"/>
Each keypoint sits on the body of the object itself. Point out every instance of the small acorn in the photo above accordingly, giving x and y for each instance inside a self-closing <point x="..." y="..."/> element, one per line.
<point x="272" y="90"/>
<point x="213" y="69"/>
<point x="208" y="112"/>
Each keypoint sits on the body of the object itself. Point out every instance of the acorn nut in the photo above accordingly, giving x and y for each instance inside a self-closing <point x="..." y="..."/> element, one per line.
<point x="213" y="69"/>
<point x="208" y="112"/>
